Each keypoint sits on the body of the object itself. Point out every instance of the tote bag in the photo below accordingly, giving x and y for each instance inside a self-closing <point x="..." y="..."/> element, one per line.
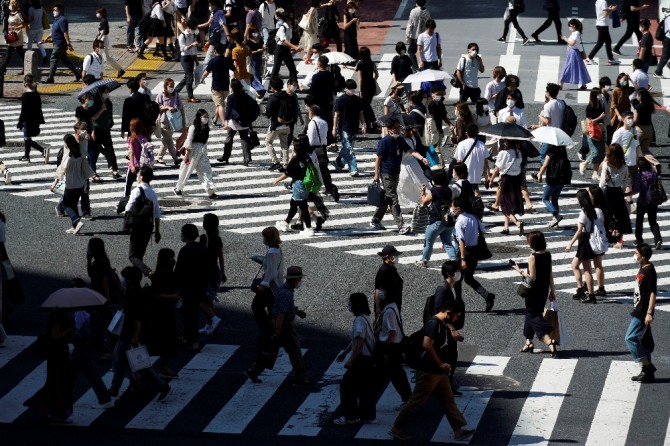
<point x="138" y="358"/>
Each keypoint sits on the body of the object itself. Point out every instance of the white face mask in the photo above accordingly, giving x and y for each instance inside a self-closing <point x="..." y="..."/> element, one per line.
<point x="170" y="90"/>
<point x="56" y="13"/>
<point x="473" y="54"/>
<point x="511" y="103"/>
<point x="624" y="83"/>
<point x="438" y="97"/>
<point x="98" y="16"/>
<point x="629" y="122"/>
<point x="204" y="120"/>
<point x="349" y="91"/>
<point x="457" y="276"/>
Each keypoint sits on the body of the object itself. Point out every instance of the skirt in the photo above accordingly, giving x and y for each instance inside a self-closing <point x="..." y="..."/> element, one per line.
<point x="168" y="31"/>
<point x="511" y="201"/>
<point x="617" y="218"/>
<point x="156" y="28"/>
<point x="574" y="71"/>
<point x="584" y="251"/>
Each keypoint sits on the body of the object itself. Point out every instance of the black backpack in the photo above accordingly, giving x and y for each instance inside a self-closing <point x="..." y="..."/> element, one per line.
<point x="151" y="110"/>
<point x="569" y="119"/>
<point x="142" y="213"/>
<point x="248" y="110"/>
<point x="559" y="171"/>
<point x="660" y="30"/>
<point x="272" y="39"/>
<point x="339" y="79"/>
<point x="286" y="111"/>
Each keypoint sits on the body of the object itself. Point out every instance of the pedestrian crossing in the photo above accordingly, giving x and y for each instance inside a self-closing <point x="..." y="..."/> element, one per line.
<point x="550" y="394"/>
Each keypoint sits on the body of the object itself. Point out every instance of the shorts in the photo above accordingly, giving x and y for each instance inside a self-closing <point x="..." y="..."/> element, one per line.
<point x="219" y="98"/>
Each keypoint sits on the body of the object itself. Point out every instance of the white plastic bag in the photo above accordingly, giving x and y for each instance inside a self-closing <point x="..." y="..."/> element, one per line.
<point x="138" y="358"/>
<point x="116" y="323"/>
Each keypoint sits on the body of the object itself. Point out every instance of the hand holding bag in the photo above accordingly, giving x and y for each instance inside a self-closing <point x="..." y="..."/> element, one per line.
<point x="116" y="323"/>
<point x="420" y="218"/>
<point x="595" y="131"/>
<point x="304" y="21"/>
<point x="257" y="281"/>
<point x="138" y="358"/>
<point x="11" y="37"/>
<point x="525" y="288"/>
<point x="551" y="316"/>
<point x="60" y="187"/>
<point x="376" y="195"/>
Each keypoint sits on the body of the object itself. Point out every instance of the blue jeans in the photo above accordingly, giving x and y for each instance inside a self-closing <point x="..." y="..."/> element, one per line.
<point x="543" y="152"/>
<point x="550" y="197"/>
<point x="70" y="203"/>
<point x="133" y="32"/>
<point x="347" y="154"/>
<point x="634" y="340"/>
<point x="85" y="201"/>
<point x="432" y="231"/>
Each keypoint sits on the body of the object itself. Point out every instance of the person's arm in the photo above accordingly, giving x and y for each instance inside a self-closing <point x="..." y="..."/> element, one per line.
<point x="459" y="71"/>
<point x="128" y="19"/>
<point x="360" y="83"/>
<point x="336" y="120"/>
<point x="432" y="354"/>
<point x="279" y="321"/>
<point x="461" y="250"/>
<point x="552" y="288"/>
<point x="543" y="167"/>
<point x="438" y="48"/>
<point x="157" y="230"/>
<point x="426" y="196"/>
<point x="378" y="165"/>
<point x="357" y="348"/>
<point x="638" y="8"/>
<point x="361" y="119"/>
<point x="419" y="55"/>
<point x="649" y="318"/>
<point x="418" y="156"/>
<point x="486" y="170"/>
<point x="643" y="51"/>
<point x="635" y="116"/>
<point x="580" y="229"/>
<point x="137" y="325"/>
<point x="532" y="271"/>
<point x="481" y="64"/>
<point x="68" y="41"/>
<point x="222" y="266"/>
<point x="280" y="178"/>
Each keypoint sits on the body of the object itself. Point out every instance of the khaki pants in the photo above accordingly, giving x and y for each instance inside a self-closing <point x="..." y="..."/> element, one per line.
<point x="167" y="143"/>
<point x="291" y="343"/>
<point x="282" y="133"/>
<point x="425" y="385"/>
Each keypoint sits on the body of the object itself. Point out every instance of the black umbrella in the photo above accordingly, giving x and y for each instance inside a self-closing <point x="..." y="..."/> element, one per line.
<point x="504" y="130"/>
<point x="111" y="85"/>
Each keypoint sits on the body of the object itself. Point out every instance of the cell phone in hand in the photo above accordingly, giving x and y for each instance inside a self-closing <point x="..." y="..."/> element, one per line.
<point x="511" y="262"/>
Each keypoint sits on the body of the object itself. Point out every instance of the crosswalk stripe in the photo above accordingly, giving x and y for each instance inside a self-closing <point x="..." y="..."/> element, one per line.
<point x="83" y="413"/>
<point x="11" y="405"/>
<point x="307" y="420"/>
<point x="547" y="71"/>
<point x="250" y="399"/>
<point x="540" y="411"/>
<point x="615" y="408"/>
<point x="13" y="346"/>
<point x="667" y="436"/>
<point x="488" y="365"/>
<point x="157" y="414"/>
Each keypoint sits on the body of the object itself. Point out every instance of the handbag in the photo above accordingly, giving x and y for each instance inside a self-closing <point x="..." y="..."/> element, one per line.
<point x="525" y="288"/>
<point x="304" y="21"/>
<point x="11" y="37"/>
<point x="656" y="194"/>
<point x="256" y="281"/>
<point x="616" y="19"/>
<point x="551" y="316"/>
<point x="175" y="121"/>
<point x="116" y="323"/>
<point x="179" y="144"/>
<point x="254" y="141"/>
<point x="60" y="187"/>
<point x="483" y="252"/>
<point x="138" y="358"/>
<point x="420" y="218"/>
<point x="595" y="131"/>
<point x="584" y="123"/>
<point x="455" y="82"/>
<point x="157" y="128"/>
<point x="583" y="53"/>
<point x="598" y="239"/>
<point x="376" y="195"/>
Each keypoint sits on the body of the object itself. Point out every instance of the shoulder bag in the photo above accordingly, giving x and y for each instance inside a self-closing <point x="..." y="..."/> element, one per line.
<point x="483" y="252"/>
<point x="525" y="288"/>
<point x="455" y="82"/>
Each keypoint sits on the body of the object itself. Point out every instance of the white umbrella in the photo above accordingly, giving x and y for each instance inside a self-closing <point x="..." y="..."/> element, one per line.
<point x="427" y="76"/>
<point x="336" y="57"/>
<point x="73" y="298"/>
<point x="553" y="136"/>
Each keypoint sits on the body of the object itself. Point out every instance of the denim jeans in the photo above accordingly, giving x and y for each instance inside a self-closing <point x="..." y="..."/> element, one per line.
<point x="550" y="197"/>
<point x="84" y="199"/>
<point x="133" y="32"/>
<point x="347" y="155"/>
<point x="70" y="203"/>
<point x="432" y="231"/>
<point x="634" y="340"/>
<point x="543" y="152"/>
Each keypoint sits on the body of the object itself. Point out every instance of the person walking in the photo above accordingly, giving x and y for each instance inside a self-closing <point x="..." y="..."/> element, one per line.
<point x="514" y="8"/>
<point x="551" y="114"/>
<point x="390" y="150"/>
<point x="14" y="36"/>
<point x="272" y="279"/>
<point x="474" y="154"/>
<point x="389" y="351"/>
<point x="103" y="36"/>
<point x="134" y="13"/>
<point x="595" y="116"/>
<point x="170" y="104"/>
<point x="136" y="139"/>
<point x="638" y="336"/>
<point x="574" y="70"/>
<point x="416" y="24"/>
<point x="60" y="36"/>
<point x="268" y="8"/>
<point x="436" y="199"/>
<point x="357" y="399"/>
<point x="101" y="136"/>
<point x="429" y="48"/>
<point x="3" y="258"/>
<point x="188" y="47"/>
<point x="351" y="23"/>
<point x="627" y="137"/>
<point x="388" y="283"/>
<point x="553" y="8"/>
<point x="401" y="65"/>
<point x="332" y="27"/>
<point x="647" y="178"/>
<point x="466" y="234"/>
<point x="238" y="104"/>
<point x="348" y="110"/>
<point x="218" y="29"/>
<point x="467" y="71"/>
<point x="30" y="118"/>
<point x="432" y="377"/>
<point x="603" y="14"/>
<point x="317" y="132"/>
<point x="94" y="64"/>
<point x="217" y="276"/>
<point x="220" y="67"/>
<point x="75" y="171"/>
<point x="630" y="13"/>
<point x="367" y="85"/>
<point x="508" y="165"/>
<point x="541" y="277"/>
<point x="36" y="28"/>
<point x="283" y="47"/>
<point x="144" y="197"/>
<point x="620" y="102"/>
<point x="614" y="179"/>
<point x="196" y="158"/>
<point x="310" y="32"/>
<point x="559" y="174"/>
<point x="278" y="101"/>
<point x="646" y="45"/>
<point x="284" y="333"/>
<point x="644" y="106"/>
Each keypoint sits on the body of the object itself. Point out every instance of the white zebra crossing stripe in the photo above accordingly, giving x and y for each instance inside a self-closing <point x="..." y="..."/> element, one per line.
<point x="540" y="411"/>
<point x="13" y="346"/>
<point x="667" y="436"/>
<point x="615" y="408"/>
<point x="157" y="414"/>
<point x="11" y="405"/>
<point x="488" y="365"/>
<point x="547" y="71"/>
<point x="83" y="413"/>
<point x="250" y="399"/>
<point x="318" y="406"/>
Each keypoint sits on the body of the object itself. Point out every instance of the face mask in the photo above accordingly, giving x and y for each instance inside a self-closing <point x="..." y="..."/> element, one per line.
<point x="457" y="276"/>
<point x="635" y="259"/>
<point x="82" y="134"/>
<point x="170" y="90"/>
<point x="90" y="102"/>
<point x="348" y="91"/>
<point x="403" y="52"/>
<point x="629" y="122"/>
<point x="298" y="285"/>
<point x="511" y="103"/>
<point x="204" y="120"/>
<point x="624" y="83"/>
<point x="394" y="135"/>
<point x="473" y="54"/>
<point x="56" y="14"/>
<point x="608" y="88"/>
<point x="452" y="212"/>
<point x="98" y="16"/>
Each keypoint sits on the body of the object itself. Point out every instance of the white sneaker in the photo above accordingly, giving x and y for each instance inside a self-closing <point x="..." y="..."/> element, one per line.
<point x="47" y="152"/>
<point x="402" y="230"/>
<point x="216" y="321"/>
<point x="595" y="176"/>
<point x="582" y="167"/>
<point x="282" y="226"/>
<point x="633" y="208"/>
<point x="78" y="226"/>
<point x="7" y="176"/>
<point x="205" y="330"/>
<point x="107" y="405"/>
<point x="309" y="232"/>
<point x="69" y="231"/>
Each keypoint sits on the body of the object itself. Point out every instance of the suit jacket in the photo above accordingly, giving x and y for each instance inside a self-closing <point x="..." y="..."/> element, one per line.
<point x="135" y="107"/>
<point x="31" y="110"/>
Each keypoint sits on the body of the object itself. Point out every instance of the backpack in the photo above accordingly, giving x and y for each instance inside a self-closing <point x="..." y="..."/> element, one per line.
<point x="142" y="213"/>
<point x="339" y="79"/>
<point x="147" y="157"/>
<point x="598" y="238"/>
<point x="660" y="30"/>
<point x="311" y="181"/>
<point x="248" y="110"/>
<point x="286" y="111"/>
<point x="559" y="171"/>
<point x="272" y="39"/>
<point x="152" y="110"/>
<point x="413" y="349"/>
<point x="569" y="119"/>
<point x="430" y="135"/>
<point x="475" y="202"/>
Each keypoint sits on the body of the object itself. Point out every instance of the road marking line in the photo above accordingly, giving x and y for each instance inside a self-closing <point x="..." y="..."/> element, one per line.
<point x="548" y="70"/>
<point x="11" y="405"/>
<point x="13" y="346"/>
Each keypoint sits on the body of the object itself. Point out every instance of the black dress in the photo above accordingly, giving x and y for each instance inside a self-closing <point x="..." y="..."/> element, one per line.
<point x="351" y="36"/>
<point x="162" y="331"/>
<point x="535" y="323"/>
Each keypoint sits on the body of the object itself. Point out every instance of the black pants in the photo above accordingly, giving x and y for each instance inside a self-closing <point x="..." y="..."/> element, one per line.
<point x="283" y="54"/>
<point x="651" y="210"/>
<point x="28" y="143"/>
<point x="513" y="20"/>
<point x="665" y="56"/>
<point x="357" y="396"/>
<point x="102" y="144"/>
<point x="82" y="362"/>
<point x="469" y="274"/>
<point x="470" y="93"/>
<point x="8" y="55"/>
<point x="130" y="179"/>
<point x="603" y="38"/>
<point x="552" y="16"/>
<point x="188" y="65"/>
<point x="59" y="53"/>
<point x="368" y="112"/>
<point x="139" y="240"/>
<point x="261" y="307"/>
<point x="189" y="313"/>
<point x="631" y="28"/>
<point x="392" y="368"/>
<point x="304" y="212"/>
<point x="411" y="50"/>
<point x="322" y="158"/>
<point x="228" y="145"/>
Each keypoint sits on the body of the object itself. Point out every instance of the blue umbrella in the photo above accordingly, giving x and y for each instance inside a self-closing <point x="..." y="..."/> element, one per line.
<point x="111" y="85"/>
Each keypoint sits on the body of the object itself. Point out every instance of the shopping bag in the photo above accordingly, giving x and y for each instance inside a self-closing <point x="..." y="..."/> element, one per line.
<point x="175" y="120"/>
<point x="376" y="194"/>
<point x="431" y="156"/>
<point x="562" y="328"/>
<point x="138" y="358"/>
<point x="179" y="144"/>
<point x="158" y="133"/>
<point x="116" y="323"/>
<point x="420" y="218"/>
<point x="60" y="187"/>
<point x="595" y="131"/>
<point x="198" y="72"/>
<point x="551" y="315"/>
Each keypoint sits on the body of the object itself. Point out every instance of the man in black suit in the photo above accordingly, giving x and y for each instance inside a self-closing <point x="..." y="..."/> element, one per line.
<point x="321" y="90"/>
<point x="552" y="7"/>
<point x="135" y="107"/>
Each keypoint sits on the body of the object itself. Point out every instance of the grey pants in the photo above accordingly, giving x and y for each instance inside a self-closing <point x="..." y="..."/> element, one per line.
<point x="390" y="183"/>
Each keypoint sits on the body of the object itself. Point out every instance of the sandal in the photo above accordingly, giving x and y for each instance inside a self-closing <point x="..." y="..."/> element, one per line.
<point x="505" y="231"/>
<point x="96" y="179"/>
<point x="527" y="348"/>
<point x="552" y="349"/>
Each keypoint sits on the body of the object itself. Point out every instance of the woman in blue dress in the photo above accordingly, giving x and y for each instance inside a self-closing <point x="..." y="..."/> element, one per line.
<point x="574" y="71"/>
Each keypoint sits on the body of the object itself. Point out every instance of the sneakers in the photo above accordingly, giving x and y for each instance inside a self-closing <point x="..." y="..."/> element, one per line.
<point x="274" y="166"/>
<point x="77" y="226"/>
<point x="646" y="375"/>
<point x="160" y="161"/>
<point x="107" y="405"/>
<point x="344" y="421"/>
<point x="164" y="392"/>
<point x="252" y="376"/>
<point x="617" y="52"/>
<point x="308" y="232"/>
<point x="535" y="37"/>
<point x="581" y="292"/>
<point x="205" y="330"/>
<point x="47" y="152"/>
<point x="555" y="221"/>
<point x="213" y="196"/>
<point x="600" y="292"/>
<point x="377" y="225"/>
<point x="353" y="174"/>
<point x="60" y="213"/>
<point x="613" y="62"/>
<point x="633" y="208"/>
<point x="297" y="226"/>
<point x="336" y="166"/>
<point x="86" y="217"/>
<point x="8" y="177"/>
<point x="120" y="73"/>
<point x="502" y="39"/>
<point x="24" y="158"/>
<point x="589" y="299"/>
<point x="582" y="167"/>
<point x="659" y="76"/>
<point x="319" y="223"/>
<point x="421" y="263"/>
<point x="595" y="177"/>
<point x="335" y="194"/>
<point x="403" y="230"/>
<point x="490" y="302"/>
<point x="216" y="322"/>
<point x="525" y="42"/>
<point x="282" y="226"/>
<point x="177" y="192"/>
<point x="659" y="244"/>
<point x="116" y="175"/>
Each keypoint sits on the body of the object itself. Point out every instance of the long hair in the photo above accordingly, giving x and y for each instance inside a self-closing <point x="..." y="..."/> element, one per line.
<point x="271" y="235"/>
<point x="577" y="24"/>
<point x="136" y="128"/>
<point x="201" y="130"/>
<point x="164" y="263"/>
<point x="584" y="200"/>
<point x="615" y="156"/>
<point x="96" y="254"/>
<point x="364" y="55"/>
<point x="72" y="144"/>
<point x="593" y="98"/>
<point x="210" y="223"/>
<point x="646" y="100"/>
<point x="598" y="197"/>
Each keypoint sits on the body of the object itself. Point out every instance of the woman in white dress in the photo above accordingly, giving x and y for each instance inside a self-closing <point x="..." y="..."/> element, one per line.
<point x="195" y="158"/>
<point x="412" y="176"/>
<point x="309" y="35"/>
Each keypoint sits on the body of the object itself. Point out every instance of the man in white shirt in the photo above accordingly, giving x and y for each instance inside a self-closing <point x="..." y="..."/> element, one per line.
<point x="140" y="232"/>
<point x="416" y="23"/>
<point x="551" y="115"/>
<point x="513" y="110"/>
<point x="603" y="13"/>
<point x="638" y="78"/>
<point x="467" y="71"/>
<point x="284" y="47"/>
<point x="477" y="159"/>
<point x="93" y="62"/>
<point x="492" y="89"/>
<point x="429" y="48"/>
<point x="317" y="133"/>
<point x="626" y="137"/>
<point x="267" y="10"/>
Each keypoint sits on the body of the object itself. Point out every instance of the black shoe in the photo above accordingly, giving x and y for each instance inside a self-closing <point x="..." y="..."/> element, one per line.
<point x="581" y="292"/>
<point x="177" y="192"/>
<point x="213" y="196"/>
<point x="24" y="158"/>
<point x="319" y="223"/>
<point x="252" y="376"/>
<point x="274" y="166"/>
<point x="535" y="37"/>
<point x="457" y="393"/>
<point x="600" y="292"/>
<point x="589" y="299"/>
<point x="297" y="226"/>
<point x="120" y="73"/>
<point x="490" y="301"/>
<point x="281" y="169"/>
<point x="222" y="160"/>
<point x="164" y="392"/>
<point x="49" y="80"/>
<point x="646" y="375"/>
<point x="335" y="194"/>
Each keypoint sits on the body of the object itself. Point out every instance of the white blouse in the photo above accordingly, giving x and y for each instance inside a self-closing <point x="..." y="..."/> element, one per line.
<point x="508" y="162"/>
<point x="577" y="37"/>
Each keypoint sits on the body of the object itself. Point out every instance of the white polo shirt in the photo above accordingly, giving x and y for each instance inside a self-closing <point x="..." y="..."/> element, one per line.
<point x="94" y="65"/>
